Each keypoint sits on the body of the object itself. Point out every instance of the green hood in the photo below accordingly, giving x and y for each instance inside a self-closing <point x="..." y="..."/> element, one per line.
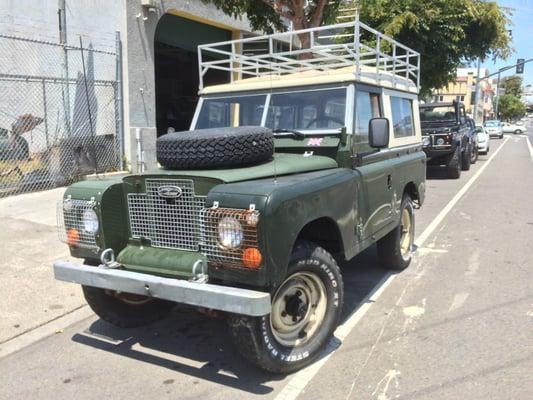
<point x="282" y="164"/>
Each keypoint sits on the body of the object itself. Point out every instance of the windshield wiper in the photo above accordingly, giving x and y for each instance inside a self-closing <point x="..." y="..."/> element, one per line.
<point x="296" y="134"/>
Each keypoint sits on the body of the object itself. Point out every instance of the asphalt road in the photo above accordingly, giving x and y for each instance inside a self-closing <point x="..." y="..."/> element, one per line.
<point x="458" y="324"/>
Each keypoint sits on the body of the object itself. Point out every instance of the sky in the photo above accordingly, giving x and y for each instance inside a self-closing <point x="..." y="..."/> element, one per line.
<point x="522" y="31"/>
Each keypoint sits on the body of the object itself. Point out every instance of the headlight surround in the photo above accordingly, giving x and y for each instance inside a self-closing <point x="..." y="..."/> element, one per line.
<point x="230" y="233"/>
<point x="425" y="141"/>
<point x="440" y="141"/>
<point x="90" y="221"/>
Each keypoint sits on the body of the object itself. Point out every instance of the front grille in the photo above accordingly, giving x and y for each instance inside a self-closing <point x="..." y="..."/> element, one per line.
<point x="70" y="217"/>
<point x="167" y="222"/>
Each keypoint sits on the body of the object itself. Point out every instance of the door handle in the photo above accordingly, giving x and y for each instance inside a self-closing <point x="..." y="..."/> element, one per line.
<point x="389" y="182"/>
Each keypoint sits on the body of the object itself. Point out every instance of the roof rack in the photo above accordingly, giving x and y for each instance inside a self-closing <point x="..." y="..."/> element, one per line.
<point x="328" y="48"/>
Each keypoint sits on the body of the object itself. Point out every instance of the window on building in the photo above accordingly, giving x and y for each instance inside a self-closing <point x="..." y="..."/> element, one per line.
<point x="367" y="106"/>
<point x="402" y="117"/>
<point x="462" y="98"/>
<point x="441" y="98"/>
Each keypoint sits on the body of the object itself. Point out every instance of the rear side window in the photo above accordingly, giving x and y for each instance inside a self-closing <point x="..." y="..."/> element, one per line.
<point x="366" y="108"/>
<point x="402" y="117"/>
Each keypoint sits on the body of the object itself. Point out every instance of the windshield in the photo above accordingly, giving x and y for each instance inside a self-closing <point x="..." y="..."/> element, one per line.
<point x="311" y="110"/>
<point x="231" y="111"/>
<point x="431" y="114"/>
<point x="492" y="124"/>
<point x="322" y="109"/>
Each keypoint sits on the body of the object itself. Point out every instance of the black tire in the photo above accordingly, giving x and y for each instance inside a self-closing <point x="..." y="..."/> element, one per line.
<point x="215" y="148"/>
<point x="453" y="169"/>
<point x="501" y="136"/>
<point x="474" y="155"/>
<point x="254" y="337"/>
<point x="518" y="131"/>
<point x="390" y="252"/>
<point x="466" y="158"/>
<point x="109" y="307"/>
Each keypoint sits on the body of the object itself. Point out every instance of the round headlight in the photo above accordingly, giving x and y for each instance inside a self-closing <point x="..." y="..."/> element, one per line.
<point x="440" y="141"/>
<point x="230" y="233"/>
<point x="90" y="221"/>
<point x="425" y="142"/>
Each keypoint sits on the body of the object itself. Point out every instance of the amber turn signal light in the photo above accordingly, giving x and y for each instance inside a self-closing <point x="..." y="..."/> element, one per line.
<point x="251" y="258"/>
<point x="73" y="237"/>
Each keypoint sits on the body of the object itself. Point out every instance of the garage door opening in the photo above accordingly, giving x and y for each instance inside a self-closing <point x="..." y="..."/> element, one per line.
<point x="176" y="69"/>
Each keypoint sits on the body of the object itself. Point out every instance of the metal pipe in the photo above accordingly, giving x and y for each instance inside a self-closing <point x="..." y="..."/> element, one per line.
<point x="140" y="163"/>
<point x="497" y="95"/>
<point x="476" y="90"/>
<point x="119" y="98"/>
<point x="62" y="16"/>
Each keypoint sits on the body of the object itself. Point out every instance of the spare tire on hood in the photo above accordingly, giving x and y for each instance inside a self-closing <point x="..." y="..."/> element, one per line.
<point x="215" y="148"/>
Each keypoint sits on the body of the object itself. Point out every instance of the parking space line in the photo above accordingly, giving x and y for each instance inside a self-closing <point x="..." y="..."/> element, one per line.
<point x="530" y="148"/>
<point x="299" y="380"/>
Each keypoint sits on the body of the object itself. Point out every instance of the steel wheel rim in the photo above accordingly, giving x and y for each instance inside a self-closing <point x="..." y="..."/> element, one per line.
<point x="298" y="309"/>
<point x="406" y="233"/>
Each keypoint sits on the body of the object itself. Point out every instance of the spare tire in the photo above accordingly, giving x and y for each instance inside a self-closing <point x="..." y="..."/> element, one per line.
<point x="215" y="147"/>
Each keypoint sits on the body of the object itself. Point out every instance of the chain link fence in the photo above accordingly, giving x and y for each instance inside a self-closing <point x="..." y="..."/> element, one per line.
<point x="59" y="114"/>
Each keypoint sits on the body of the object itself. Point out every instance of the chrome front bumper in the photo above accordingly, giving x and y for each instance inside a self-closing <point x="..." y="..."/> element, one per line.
<point x="217" y="297"/>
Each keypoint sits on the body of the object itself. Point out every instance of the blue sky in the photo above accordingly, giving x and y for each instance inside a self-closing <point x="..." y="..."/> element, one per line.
<point x="522" y="27"/>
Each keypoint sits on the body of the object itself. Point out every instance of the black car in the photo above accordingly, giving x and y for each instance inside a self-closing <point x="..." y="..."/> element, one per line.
<point x="448" y="136"/>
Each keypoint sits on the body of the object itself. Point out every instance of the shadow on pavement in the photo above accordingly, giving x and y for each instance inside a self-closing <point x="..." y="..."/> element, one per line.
<point x="194" y="344"/>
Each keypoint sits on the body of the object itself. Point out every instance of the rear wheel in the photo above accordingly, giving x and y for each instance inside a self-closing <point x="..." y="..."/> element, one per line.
<point x="125" y="310"/>
<point x="395" y="250"/>
<point x="453" y="169"/>
<point x="306" y="309"/>
<point x="466" y="158"/>
<point x="474" y="155"/>
<point x="518" y="131"/>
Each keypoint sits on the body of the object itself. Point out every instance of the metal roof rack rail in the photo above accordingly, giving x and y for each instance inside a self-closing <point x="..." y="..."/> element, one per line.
<point x="327" y="48"/>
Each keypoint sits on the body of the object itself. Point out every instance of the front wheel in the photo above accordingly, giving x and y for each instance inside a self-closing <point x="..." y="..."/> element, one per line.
<point x="125" y="310"/>
<point x="306" y="309"/>
<point x="395" y="250"/>
<point x="518" y="131"/>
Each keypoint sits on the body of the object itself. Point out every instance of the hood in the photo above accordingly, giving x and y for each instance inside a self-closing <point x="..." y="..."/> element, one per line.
<point x="281" y="164"/>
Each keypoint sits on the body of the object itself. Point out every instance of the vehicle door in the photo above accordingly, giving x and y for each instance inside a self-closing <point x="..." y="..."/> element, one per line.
<point x="374" y="166"/>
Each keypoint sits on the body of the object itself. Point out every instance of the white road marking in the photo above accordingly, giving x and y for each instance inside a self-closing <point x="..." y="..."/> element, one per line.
<point x="473" y="264"/>
<point x="299" y="380"/>
<point x="458" y="301"/>
<point x="529" y="147"/>
<point x="429" y="250"/>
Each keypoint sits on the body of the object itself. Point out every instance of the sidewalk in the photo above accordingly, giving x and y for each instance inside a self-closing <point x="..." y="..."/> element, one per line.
<point x="30" y="295"/>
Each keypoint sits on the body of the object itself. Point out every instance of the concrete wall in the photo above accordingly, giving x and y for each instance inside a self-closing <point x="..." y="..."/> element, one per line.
<point x="140" y="26"/>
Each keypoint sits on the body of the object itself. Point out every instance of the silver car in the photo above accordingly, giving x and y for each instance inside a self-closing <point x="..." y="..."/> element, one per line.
<point x="483" y="140"/>
<point x="494" y="128"/>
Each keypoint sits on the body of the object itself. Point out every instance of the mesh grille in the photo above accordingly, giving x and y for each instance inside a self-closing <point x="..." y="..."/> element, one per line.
<point x="216" y="254"/>
<point x="166" y="222"/>
<point x="69" y="216"/>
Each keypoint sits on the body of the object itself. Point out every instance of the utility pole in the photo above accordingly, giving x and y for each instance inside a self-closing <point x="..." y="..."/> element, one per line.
<point x="62" y="16"/>
<point x="476" y="91"/>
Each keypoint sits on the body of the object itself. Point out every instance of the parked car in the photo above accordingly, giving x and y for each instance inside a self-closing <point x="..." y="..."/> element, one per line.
<point x="279" y="179"/>
<point x="513" y="127"/>
<point x="483" y="139"/>
<point x="494" y="128"/>
<point x="474" y="154"/>
<point x="448" y="136"/>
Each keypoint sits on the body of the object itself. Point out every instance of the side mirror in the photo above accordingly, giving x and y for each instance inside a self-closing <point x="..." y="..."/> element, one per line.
<point x="378" y="132"/>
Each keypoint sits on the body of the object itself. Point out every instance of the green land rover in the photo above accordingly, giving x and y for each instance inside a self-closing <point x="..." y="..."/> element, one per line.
<point x="306" y="158"/>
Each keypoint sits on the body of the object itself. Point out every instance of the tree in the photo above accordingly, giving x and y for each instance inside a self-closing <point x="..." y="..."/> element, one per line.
<point x="445" y="32"/>
<point x="264" y="15"/>
<point x="512" y="85"/>
<point x="510" y="107"/>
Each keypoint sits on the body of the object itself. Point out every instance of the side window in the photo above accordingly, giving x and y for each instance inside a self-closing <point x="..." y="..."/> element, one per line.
<point x="367" y="106"/>
<point x="402" y="117"/>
